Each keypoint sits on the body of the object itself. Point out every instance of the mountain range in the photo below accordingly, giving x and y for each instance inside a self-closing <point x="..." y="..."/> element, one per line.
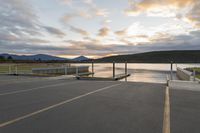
<point x="81" y="58"/>
<point x="178" y="56"/>
<point x="42" y="57"/>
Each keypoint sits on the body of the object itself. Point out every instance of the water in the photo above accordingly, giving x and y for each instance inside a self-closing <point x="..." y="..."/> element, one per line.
<point x="140" y="72"/>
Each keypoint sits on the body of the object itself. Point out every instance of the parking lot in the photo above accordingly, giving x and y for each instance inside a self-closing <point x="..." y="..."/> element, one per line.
<point x="42" y="105"/>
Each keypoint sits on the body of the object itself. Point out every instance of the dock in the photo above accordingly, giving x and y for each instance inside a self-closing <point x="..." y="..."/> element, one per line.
<point x="30" y="105"/>
<point x="117" y="77"/>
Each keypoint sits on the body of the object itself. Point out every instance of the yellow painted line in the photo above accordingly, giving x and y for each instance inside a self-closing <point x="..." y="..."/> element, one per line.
<point x="166" y="119"/>
<point x="37" y="88"/>
<point x="54" y="106"/>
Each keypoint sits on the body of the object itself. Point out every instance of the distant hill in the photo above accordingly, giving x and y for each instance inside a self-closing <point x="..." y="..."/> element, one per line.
<point x="180" y="56"/>
<point x="81" y="58"/>
<point x="42" y="57"/>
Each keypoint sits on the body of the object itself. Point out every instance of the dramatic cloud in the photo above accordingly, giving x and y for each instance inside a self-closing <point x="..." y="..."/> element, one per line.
<point x="32" y="27"/>
<point x="147" y="5"/>
<point x="181" y="9"/>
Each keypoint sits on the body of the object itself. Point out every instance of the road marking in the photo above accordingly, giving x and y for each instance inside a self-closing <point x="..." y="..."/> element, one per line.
<point x="54" y="106"/>
<point x="20" y="91"/>
<point x="166" y="119"/>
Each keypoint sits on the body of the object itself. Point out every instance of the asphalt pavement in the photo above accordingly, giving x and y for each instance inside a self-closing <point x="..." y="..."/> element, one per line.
<point x="42" y="105"/>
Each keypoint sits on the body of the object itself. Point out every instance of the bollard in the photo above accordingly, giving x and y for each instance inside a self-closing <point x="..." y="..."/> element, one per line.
<point x="113" y="70"/>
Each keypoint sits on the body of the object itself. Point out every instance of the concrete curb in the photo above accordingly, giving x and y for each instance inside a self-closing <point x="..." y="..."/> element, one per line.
<point x="184" y="85"/>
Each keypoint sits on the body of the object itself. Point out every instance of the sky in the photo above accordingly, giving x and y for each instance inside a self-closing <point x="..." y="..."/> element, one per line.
<point x="97" y="28"/>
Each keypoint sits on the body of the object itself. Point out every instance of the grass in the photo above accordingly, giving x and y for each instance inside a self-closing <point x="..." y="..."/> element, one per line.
<point x="198" y="76"/>
<point x="25" y="67"/>
<point x="197" y="70"/>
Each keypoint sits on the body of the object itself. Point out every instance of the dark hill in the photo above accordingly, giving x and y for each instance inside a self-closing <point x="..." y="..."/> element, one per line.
<point x="182" y="56"/>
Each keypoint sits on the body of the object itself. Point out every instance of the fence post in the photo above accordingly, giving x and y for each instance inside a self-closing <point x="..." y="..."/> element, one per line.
<point x="92" y="67"/>
<point x="125" y="68"/>
<point x="113" y="69"/>
<point x="16" y="70"/>
<point x="76" y="70"/>
<point x="9" y="69"/>
<point x="65" y="70"/>
<point x="194" y="75"/>
<point x="171" y="70"/>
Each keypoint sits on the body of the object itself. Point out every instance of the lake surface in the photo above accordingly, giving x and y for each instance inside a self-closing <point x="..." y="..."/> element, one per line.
<point x="140" y="72"/>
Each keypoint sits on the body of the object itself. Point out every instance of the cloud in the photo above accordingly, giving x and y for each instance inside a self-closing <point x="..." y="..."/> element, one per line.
<point x="104" y="31"/>
<point x="101" y="12"/>
<point x="92" y="46"/>
<point x="145" y="5"/>
<point x="8" y="37"/>
<point x="37" y="41"/>
<point x="188" y="9"/>
<point x="68" y="17"/>
<point x="54" y="31"/>
<point x="194" y="14"/>
<point x="88" y="10"/>
<point x="29" y="48"/>
<point x="121" y="32"/>
<point x="22" y="32"/>
<point x="67" y="2"/>
<point x="17" y="17"/>
<point x="79" y="31"/>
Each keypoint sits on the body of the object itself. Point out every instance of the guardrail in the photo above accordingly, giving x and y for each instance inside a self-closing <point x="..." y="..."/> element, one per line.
<point x="186" y="75"/>
<point x="61" y="70"/>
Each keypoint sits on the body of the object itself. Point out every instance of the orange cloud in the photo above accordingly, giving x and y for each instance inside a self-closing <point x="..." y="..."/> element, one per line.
<point x="146" y="4"/>
<point x="181" y="9"/>
<point x="136" y="7"/>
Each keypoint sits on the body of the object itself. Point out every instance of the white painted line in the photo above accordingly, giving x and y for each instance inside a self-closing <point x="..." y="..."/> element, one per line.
<point x="54" y="106"/>
<point x="20" y="91"/>
<point x="166" y="119"/>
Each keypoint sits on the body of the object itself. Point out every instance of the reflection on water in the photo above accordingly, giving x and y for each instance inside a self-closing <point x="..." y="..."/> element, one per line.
<point x="140" y="72"/>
